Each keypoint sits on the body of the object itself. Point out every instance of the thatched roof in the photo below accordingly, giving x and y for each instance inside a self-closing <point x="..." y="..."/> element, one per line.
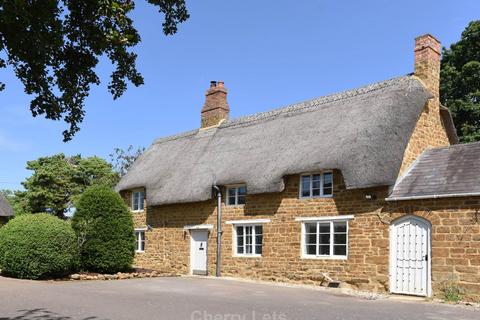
<point x="5" y="208"/>
<point x="362" y="132"/>
<point x="452" y="171"/>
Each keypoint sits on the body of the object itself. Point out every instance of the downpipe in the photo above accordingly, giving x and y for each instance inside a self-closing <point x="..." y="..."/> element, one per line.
<point x="219" y="230"/>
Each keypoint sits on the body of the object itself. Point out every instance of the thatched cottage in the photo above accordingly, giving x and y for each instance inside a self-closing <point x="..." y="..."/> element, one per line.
<point x="365" y="187"/>
<point x="6" y="210"/>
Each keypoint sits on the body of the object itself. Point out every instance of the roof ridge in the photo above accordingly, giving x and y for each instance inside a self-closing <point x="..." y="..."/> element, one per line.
<point x="295" y="107"/>
<point x="315" y="102"/>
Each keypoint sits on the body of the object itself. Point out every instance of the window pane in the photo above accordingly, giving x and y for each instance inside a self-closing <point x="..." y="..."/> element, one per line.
<point x="231" y="192"/>
<point x="311" y="239"/>
<point x="258" y="249"/>
<point x="241" y="200"/>
<point x="231" y="200"/>
<point x="315" y="178"/>
<point x="141" y="199"/>
<point x="310" y="227"/>
<point x="135" y="201"/>
<point x="240" y="241"/>
<point x="240" y="231"/>
<point x="242" y="191"/>
<point x="315" y="192"/>
<point x="340" y="238"/>
<point x="340" y="250"/>
<point x="311" y="249"/>
<point x="339" y="227"/>
<point x="240" y="249"/>
<point x="327" y="183"/>
<point x="324" y="227"/>
<point x="258" y="230"/>
<point x="248" y="240"/>
<point x="258" y="240"/>
<point x="324" y="250"/>
<point x="305" y="186"/>
<point x="142" y="246"/>
<point x="324" y="238"/>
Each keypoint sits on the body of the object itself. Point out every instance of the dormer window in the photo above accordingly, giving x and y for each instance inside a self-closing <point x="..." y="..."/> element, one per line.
<point x="236" y="195"/>
<point x="316" y="185"/>
<point x="138" y="200"/>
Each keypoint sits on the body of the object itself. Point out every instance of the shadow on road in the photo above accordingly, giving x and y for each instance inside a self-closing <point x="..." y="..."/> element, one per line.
<point x="41" y="314"/>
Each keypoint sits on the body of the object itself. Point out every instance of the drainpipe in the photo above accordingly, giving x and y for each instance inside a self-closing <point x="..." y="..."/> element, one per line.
<point x="219" y="229"/>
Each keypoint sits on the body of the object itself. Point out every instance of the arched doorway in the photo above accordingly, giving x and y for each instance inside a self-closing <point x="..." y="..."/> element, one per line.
<point x="410" y="256"/>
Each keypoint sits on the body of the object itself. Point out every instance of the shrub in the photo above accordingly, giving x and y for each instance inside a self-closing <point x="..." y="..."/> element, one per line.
<point x="104" y="226"/>
<point x="37" y="246"/>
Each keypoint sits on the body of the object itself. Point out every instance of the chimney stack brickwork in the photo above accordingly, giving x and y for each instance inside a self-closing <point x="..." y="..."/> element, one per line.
<point x="429" y="131"/>
<point x="427" y="62"/>
<point x="216" y="106"/>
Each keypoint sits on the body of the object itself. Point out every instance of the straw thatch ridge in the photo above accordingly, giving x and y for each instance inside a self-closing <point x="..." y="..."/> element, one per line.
<point x="362" y="132"/>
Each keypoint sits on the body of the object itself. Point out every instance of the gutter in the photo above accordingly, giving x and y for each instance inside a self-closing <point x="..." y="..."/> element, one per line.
<point x="436" y="196"/>
<point x="219" y="230"/>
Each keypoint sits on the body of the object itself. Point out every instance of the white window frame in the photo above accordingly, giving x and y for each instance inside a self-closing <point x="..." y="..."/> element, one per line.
<point x="142" y="207"/>
<point x="317" y="220"/>
<point x="236" y="187"/>
<point x="243" y="225"/>
<point x="311" y="196"/>
<point x="139" y="240"/>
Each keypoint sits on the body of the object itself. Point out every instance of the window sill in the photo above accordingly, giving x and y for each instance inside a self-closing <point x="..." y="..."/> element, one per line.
<point x="141" y="252"/>
<point x="234" y="206"/>
<point x="247" y="256"/>
<point x="307" y="257"/>
<point x="138" y="211"/>
<point x="316" y="197"/>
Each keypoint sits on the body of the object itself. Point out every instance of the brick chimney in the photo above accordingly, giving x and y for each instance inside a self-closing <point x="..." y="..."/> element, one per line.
<point x="427" y="62"/>
<point x="216" y="106"/>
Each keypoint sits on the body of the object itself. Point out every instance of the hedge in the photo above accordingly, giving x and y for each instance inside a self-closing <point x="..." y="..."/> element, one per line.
<point x="104" y="226"/>
<point x="37" y="246"/>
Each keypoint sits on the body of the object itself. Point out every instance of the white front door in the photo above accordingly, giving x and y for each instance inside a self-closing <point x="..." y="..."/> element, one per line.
<point x="198" y="251"/>
<point x="410" y="256"/>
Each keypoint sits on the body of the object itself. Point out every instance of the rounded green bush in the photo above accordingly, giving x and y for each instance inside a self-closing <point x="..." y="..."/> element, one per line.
<point x="37" y="246"/>
<point x="104" y="226"/>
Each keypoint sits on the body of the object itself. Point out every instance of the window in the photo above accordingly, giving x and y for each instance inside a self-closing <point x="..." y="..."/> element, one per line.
<point x="325" y="239"/>
<point x="249" y="239"/>
<point x="316" y="185"/>
<point x="236" y="195"/>
<point x="139" y="240"/>
<point x="138" y="200"/>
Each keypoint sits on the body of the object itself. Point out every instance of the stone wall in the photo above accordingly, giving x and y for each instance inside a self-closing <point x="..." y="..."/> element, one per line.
<point x="455" y="240"/>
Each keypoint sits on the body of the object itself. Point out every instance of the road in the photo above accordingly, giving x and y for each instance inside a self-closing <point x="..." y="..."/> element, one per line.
<point x="201" y="299"/>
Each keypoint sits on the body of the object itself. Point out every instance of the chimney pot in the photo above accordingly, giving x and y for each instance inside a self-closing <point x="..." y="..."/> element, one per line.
<point x="216" y="106"/>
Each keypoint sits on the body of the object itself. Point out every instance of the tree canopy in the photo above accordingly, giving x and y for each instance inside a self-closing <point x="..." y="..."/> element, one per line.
<point x="58" y="181"/>
<point x="54" y="47"/>
<point x="460" y="82"/>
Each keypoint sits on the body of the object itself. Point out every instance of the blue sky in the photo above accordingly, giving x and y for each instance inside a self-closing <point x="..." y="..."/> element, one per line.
<point x="269" y="53"/>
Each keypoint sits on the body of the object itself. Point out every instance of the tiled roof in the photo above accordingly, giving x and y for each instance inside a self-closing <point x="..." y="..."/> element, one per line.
<point x="452" y="171"/>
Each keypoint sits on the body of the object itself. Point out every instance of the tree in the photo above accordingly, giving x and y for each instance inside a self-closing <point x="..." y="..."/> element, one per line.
<point x="460" y="82"/>
<point x="122" y="160"/>
<point x="57" y="182"/>
<point x="55" y="46"/>
<point x="104" y="226"/>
